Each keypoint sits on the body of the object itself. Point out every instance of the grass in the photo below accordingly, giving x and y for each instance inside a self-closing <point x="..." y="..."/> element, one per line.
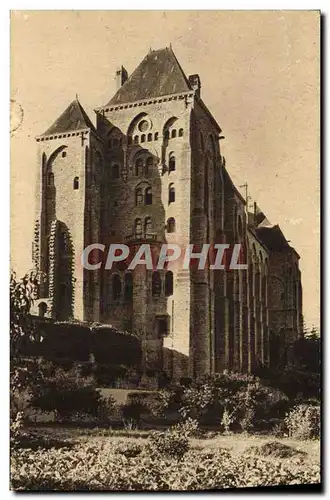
<point x="238" y="444"/>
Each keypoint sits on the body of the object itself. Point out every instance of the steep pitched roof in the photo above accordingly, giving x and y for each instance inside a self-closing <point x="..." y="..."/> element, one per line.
<point x="73" y="118"/>
<point x="158" y="74"/>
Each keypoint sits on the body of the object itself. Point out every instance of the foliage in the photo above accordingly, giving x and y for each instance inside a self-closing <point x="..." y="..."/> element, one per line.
<point x="67" y="393"/>
<point x="110" y="467"/>
<point x="275" y="449"/>
<point x="230" y="399"/>
<point x="303" y="422"/>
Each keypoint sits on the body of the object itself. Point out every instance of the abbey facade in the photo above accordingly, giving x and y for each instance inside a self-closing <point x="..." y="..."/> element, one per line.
<point x="152" y="171"/>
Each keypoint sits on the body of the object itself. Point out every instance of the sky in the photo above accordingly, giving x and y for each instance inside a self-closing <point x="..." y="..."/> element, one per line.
<point x="260" y="79"/>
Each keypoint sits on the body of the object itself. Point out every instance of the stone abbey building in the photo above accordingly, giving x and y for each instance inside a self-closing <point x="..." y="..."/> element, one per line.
<point x="152" y="171"/>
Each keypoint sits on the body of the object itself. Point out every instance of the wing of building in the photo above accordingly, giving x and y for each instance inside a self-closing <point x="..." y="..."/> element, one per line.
<point x="152" y="171"/>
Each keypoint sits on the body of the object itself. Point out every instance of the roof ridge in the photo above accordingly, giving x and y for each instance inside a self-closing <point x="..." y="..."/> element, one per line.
<point x="159" y="73"/>
<point x="74" y="117"/>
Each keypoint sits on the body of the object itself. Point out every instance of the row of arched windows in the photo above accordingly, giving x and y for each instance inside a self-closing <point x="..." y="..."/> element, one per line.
<point x="173" y="133"/>
<point x="143" y="169"/>
<point x="143" y="196"/>
<point x="154" y="137"/>
<point x="156" y="285"/>
<point x="146" y="227"/>
<point x="142" y="228"/>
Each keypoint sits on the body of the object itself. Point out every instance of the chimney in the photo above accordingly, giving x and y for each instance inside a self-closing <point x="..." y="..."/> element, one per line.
<point x="121" y="76"/>
<point x="195" y="84"/>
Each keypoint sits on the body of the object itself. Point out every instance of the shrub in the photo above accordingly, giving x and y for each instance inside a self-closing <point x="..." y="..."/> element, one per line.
<point x="170" y="444"/>
<point x="275" y="449"/>
<point x="67" y="393"/>
<point x="133" y="412"/>
<point x="129" y="450"/>
<point x="303" y="422"/>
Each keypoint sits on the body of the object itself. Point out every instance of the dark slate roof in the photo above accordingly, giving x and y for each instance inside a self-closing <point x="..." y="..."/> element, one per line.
<point x="73" y="118"/>
<point x="273" y="238"/>
<point x="157" y="75"/>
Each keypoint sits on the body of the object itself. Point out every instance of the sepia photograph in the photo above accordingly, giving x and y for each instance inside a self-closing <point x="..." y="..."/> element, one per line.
<point x="165" y="325"/>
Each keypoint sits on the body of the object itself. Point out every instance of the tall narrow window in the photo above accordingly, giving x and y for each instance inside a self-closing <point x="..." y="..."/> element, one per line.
<point x="138" y="227"/>
<point x="171" y="225"/>
<point x="171" y="163"/>
<point x="206" y="187"/>
<point x="181" y="132"/>
<point x="148" y="226"/>
<point x="143" y="138"/>
<point x="156" y="284"/>
<point x="148" y="196"/>
<point x="115" y="171"/>
<point x="138" y="166"/>
<point x="138" y="197"/>
<point x="50" y="179"/>
<point x="173" y="133"/>
<point x="168" y="283"/>
<point x="171" y="194"/>
<point x="76" y="183"/>
<point x="116" y="287"/>
<point x="149" y="137"/>
<point x="149" y="165"/>
<point x="136" y="139"/>
<point x="156" y="136"/>
<point x="128" y="291"/>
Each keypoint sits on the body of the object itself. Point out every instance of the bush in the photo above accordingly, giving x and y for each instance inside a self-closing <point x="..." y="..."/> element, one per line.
<point x="129" y="450"/>
<point x="275" y="449"/>
<point x="169" y="444"/>
<point x="303" y="422"/>
<point x="67" y="393"/>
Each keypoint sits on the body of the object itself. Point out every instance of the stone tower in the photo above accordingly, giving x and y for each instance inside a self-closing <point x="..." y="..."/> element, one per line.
<point x="67" y="214"/>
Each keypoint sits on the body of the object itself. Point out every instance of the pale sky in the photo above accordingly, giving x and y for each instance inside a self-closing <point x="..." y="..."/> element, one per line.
<point x="260" y="79"/>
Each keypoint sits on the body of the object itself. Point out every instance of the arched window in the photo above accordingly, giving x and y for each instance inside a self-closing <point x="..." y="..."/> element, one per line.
<point x="138" y="197"/>
<point x="148" y="196"/>
<point x="42" y="309"/>
<point x="168" y="283"/>
<point x="138" y="166"/>
<point x="148" y="225"/>
<point x="171" y="163"/>
<point x="173" y="133"/>
<point x="149" y="165"/>
<point x="156" y="136"/>
<point x="149" y="137"/>
<point x="115" y="171"/>
<point x="136" y="139"/>
<point x="50" y="179"/>
<point x="171" y="225"/>
<point x="156" y="286"/>
<point x="138" y="227"/>
<point x="76" y="183"/>
<point x="181" y="132"/>
<point x="128" y="290"/>
<point x="143" y="138"/>
<point x="201" y="140"/>
<point x="171" y="193"/>
<point x="116" y="287"/>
